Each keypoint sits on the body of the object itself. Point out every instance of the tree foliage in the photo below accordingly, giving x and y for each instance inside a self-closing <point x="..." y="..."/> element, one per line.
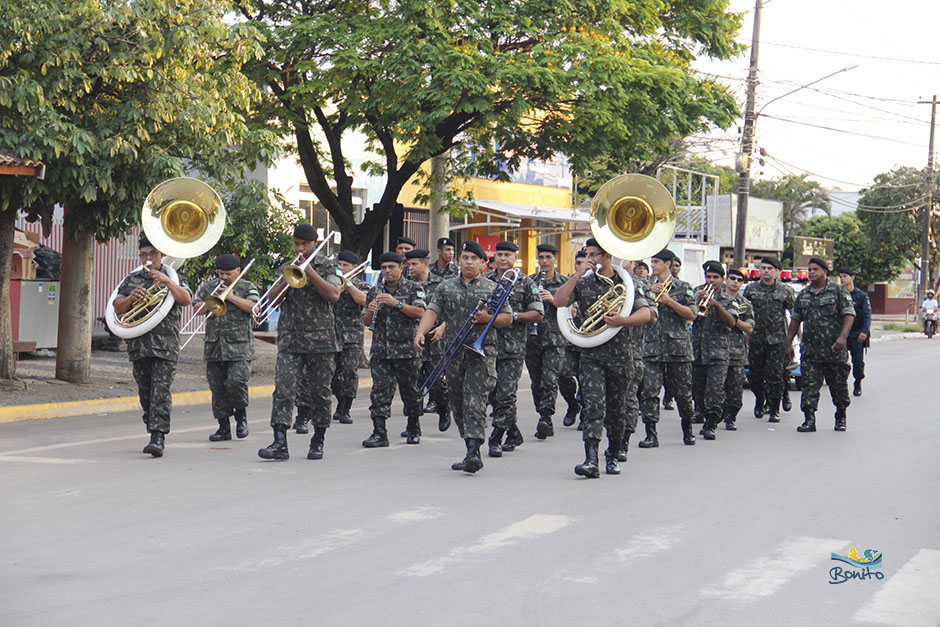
<point x="799" y="196"/>
<point x="852" y="247"/>
<point x="489" y="82"/>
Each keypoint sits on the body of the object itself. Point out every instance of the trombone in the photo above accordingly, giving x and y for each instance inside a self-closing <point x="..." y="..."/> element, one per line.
<point x="354" y="273"/>
<point x="215" y="304"/>
<point x="294" y="275"/>
<point x="706" y="295"/>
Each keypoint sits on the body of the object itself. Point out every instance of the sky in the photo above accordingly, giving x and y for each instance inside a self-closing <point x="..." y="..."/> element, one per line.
<point x="847" y="128"/>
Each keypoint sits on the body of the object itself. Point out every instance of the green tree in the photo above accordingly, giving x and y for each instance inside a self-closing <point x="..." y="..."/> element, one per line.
<point x="488" y="82"/>
<point x="114" y="97"/>
<point x="852" y="247"/>
<point x="799" y="197"/>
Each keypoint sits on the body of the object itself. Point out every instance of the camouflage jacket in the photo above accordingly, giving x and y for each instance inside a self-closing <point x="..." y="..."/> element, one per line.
<point x="524" y="297"/>
<point x="229" y="337"/>
<point x="455" y="302"/>
<point x="822" y="313"/>
<point x="393" y="332"/>
<point x="637" y="334"/>
<point x="348" y="315"/>
<point x="306" y="324"/>
<point x="163" y="340"/>
<point x="668" y="340"/>
<point x="770" y="316"/>
<point x="432" y="350"/>
<point x="711" y="339"/>
<point x="447" y="272"/>
<point x="549" y="335"/>
<point x="738" y="353"/>
<point x="616" y="350"/>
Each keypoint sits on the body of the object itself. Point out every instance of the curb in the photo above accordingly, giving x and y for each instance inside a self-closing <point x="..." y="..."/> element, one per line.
<point x="897" y="336"/>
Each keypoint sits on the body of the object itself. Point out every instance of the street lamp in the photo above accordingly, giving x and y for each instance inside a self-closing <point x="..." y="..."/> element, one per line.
<point x="743" y="160"/>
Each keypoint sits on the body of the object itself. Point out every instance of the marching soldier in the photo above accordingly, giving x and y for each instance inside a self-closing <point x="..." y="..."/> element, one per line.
<point x="444" y="267"/>
<point x="568" y="377"/>
<point x="737" y="354"/>
<point x="229" y="347"/>
<point x="348" y="314"/>
<point x="634" y="383"/>
<point x="603" y="367"/>
<point x="545" y="351"/>
<point x="861" y="327"/>
<point x="675" y="266"/>
<point x="526" y="304"/>
<point x="306" y="347"/>
<point x="470" y="376"/>
<point x="827" y="314"/>
<point x="667" y="351"/>
<point x="395" y="308"/>
<point x="403" y="245"/>
<point x="711" y="344"/>
<point x="153" y="355"/>
<point x="767" y="352"/>
<point x="418" y="262"/>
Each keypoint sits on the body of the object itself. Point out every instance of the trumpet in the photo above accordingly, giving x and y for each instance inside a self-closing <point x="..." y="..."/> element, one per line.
<point x="667" y="285"/>
<point x="294" y="275"/>
<point x="215" y="304"/>
<point x="706" y="295"/>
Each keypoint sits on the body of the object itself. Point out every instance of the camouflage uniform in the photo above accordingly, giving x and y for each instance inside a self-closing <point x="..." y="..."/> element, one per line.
<point x="432" y="354"/>
<point x="711" y="350"/>
<point x="737" y="362"/>
<point x="449" y="271"/>
<point x="394" y="358"/>
<point x="306" y="349"/>
<point x="545" y="353"/>
<point x="512" y="341"/>
<point x="153" y="357"/>
<point x="470" y="377"/>
<point x="767" y="351"/>
<point x="349" y="330"/>
<point x="229" y="350"/>
<point x="635" y="381"/>
<point x="822" y="314"/>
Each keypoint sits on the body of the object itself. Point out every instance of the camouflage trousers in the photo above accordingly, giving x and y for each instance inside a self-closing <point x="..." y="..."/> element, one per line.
<point x="386" y="374"/>
<point x="304" y="378"/>
<point x="346" y="376"/>
<point x="568" y="379"/>
<point x="503" y="396"/>
<point x="677" y="375"/>
<point x="438" y="392"/>
<point x="604" y="396"/>
<point x="633" y="383"/>
<point x="708" y="387"/>
<point x="470" y="379"/>
<point x="734" y="390"/>
<point x="836" y="375"/>
<point x="154" y="377"/>
<point x="768" y="371"/>
<point x="544" y="365"/>
<point x="228" y="381"/>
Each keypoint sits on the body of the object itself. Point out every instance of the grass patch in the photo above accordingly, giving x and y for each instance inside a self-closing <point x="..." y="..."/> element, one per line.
<point x="904" y="327"/>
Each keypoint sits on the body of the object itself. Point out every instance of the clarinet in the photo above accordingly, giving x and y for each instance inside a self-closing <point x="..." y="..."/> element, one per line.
<point x="375" y="314"/>
<point x="541" y="286"/>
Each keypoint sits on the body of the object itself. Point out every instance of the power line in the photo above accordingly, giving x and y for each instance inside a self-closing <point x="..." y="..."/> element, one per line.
<point x="847" y="54"/>
<point x="840" y="130"/>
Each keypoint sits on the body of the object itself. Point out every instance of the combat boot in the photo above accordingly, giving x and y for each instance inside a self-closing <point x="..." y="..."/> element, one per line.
<point x="303" y="417"/>
<point x="773" y="410"/>
<point x="346" y="403"/>
<point x="338" y="412"/>
<point x="241" y="423"/>
<point x="667" y="403"/>
<point x="544" y="428"/>
<point x="624" y="445"/>
<point x="571" y="415"/>
<point x="688" y="438"/>
<point x="316" y="443"/>
<point x="610" y="456"/>
<point x="278" y="448"/>
<point x="472" y="462"/>
<point x="443" y="418"/>
<point x="379" y="437"/>
<point x="786" y="403"/>
<point x="156" y="445"/>
<point x="430" y="407"/>
<point x="857" y="388"/>
<point x="651" y="441"/>
<point x="711" y="422"/>
<point x="840" y="419"/>
<point x="809" y="422"/>
<point x="730" y="418"/>
<point x="224" y="432"/>
<point x="413" y="430"/>
<point x="495" y="442"/>
<point x="758" y="406"/>
<point x="589" y="468"/>
<point x="698" y="417"/>
<point x="513" y="439"/>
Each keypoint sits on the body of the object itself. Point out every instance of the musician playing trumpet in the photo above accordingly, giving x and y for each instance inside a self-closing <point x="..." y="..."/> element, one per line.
<point x="153" y="355"/>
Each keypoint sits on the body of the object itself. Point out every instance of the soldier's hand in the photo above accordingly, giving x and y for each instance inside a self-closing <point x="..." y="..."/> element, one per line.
<point x="385" y="299"/>
<point x="839" y="344"/>
<point x="419" y="343"/>
<point x="437" y="334"/>
<point x="614" y="320"/>
<point x="547" y="296"/>
<point x="373" y="306"/>
<point x="481" y="316"/>
<point x="790" y="352"/>
<point x="159" y="277"/>
<point x="137" y="294"/>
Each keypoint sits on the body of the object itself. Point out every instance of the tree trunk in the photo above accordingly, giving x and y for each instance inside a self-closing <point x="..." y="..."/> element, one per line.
<point x="73" y="346"/>
<point x="7" y="364"/>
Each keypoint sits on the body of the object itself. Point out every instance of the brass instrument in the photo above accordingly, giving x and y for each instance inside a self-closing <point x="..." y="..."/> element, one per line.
<point x="706" y="295"/>
<point x="667" y="285"/>
<point x="294" y="275"/>
<point x="612" y="300"/>
<point x="215" y="304"/>
<point x="353" y="273"/>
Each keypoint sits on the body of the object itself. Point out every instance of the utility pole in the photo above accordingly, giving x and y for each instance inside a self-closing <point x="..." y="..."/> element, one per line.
<point x="928" y="205"/>
<point x="747" y="144"/>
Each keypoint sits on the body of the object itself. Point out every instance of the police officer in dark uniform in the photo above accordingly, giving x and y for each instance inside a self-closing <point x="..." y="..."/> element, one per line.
<point x="349" y="330"/>
<point x="444" y="267"/>
<point x="153" y="355"/>
<point x="306" y="347"/>
<point x="827" y="313"/>
<point x="229" y="347"/>
<point x="395" y="307"/>
<point x="861" y="327"/>
<point x="737" y="361"/>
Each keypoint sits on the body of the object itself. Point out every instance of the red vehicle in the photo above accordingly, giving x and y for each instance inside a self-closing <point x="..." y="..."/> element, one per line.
<point x="753" y="274"/>
<point x="786" y="275"/>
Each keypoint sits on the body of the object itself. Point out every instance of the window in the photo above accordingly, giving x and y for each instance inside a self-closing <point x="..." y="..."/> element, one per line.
<point x="416" y="224"/>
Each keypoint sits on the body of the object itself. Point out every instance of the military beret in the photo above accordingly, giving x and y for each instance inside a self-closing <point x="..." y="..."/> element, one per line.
<point x="736" y="272"/>
<point x="714" y="267"/>
<point x="348" y="256"/>
<point x="581" y="254"/>
<point x="445" y="241"/>
<point x="390" y="257"/>
<point x="305" y="232"/>
<point x="642" y="264"/>
<point x="227" y="262"/>
<point x="418" y="253"/>
<point x="507" y="246"/>
<point x="547" y="248"/>
<point x="772" y="261"/>
<point x="665" y="255"/>
<point x="822" y="263"/>
<point x="675" y="259"/>
<point x="143" y="242"/>
<point x="848" y="271"/>
<point x="471" y="246"/>
<point x="406" y="240"/>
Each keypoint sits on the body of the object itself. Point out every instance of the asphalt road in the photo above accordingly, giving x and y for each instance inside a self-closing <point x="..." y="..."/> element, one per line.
<point x="738" y="531"/>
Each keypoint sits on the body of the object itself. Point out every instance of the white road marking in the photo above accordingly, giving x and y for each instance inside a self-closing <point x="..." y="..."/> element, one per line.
<point x="910" y="597"/>
<point x="44" y="460"/>
<point x="528" y="529"/>
<point x="765" y="575"/>
<point x="640" y="546"/>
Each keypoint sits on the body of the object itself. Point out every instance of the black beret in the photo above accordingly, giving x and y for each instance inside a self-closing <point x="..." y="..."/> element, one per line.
<point x="390" y="257"/>
<point x="547" y="248"/>
<point x="642" y="264"/>
<point x="143" y="242"/>
<point x="773" y="261"/>
<point x="664" y="255"/>
<point x="822" y="263"/>
<point x="713" y="267"/>
<point x="418" y="253"/>
<point x="736" y="272"/>
<point x="305" y="232"/>
<point x="507" y="246"/>
<point x="348" y="256"/>
<point x="471" y="246"/>
<point x="445" y="241"/>
<point x="406" y="240"/>
<point x="675" y="259"/>
<point x="581" y="254"/>
<point x="848" y="271"/>
<point x="227" y="262"/>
